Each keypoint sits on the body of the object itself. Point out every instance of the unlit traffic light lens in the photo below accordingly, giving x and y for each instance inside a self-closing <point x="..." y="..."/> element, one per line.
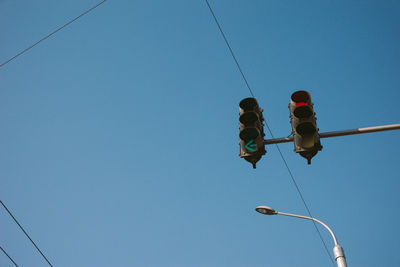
<point x="248" y="104"/>
<point x="303" y="112"/>
<point x="248" y="118"/>
<point x="306" y="128"/>
<point x="301" y="97"/>
<point x="249" y="134"/>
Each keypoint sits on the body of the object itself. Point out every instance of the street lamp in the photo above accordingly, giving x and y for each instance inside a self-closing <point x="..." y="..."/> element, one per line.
<point x="337" y="250"/>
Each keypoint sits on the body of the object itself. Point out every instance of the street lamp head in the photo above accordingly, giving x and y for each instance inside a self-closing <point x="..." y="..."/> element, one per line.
<point x="266" y="210"/>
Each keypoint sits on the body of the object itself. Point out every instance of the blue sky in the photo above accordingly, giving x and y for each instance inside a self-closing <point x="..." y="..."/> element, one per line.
<point x="119" y="134"/>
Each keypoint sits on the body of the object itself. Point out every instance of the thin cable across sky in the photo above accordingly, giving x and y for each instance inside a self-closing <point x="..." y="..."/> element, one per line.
<point x="23" y="230"/>
<point x="8" y="256"/>
<point x="50" y="34"/>
<point x="269" y="130"/>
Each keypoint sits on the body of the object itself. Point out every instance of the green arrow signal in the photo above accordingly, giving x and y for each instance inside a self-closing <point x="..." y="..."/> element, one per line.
<point x="249" y="145"/>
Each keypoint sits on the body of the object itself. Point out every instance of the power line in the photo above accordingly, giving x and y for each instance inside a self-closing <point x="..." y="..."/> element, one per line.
<point x="270" y="131"/>
<point x="8" y="256"/>
<point x="47" y="36"/>
<point x="301" y="195"/>
<point x="230" y="49"/>
<point x="12" y="216"/>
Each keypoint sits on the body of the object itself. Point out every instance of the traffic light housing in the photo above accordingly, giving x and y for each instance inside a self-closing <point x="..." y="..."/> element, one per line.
<point x="304" y="125"/>
<point x="251" y="135"/>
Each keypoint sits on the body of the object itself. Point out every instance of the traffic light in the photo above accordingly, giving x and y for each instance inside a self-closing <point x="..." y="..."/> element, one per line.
<point x="251" y="131"/>
<point x="304" y="125"/>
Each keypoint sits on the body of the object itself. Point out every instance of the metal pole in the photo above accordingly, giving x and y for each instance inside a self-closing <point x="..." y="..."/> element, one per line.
<point x="339" y="133"/>
<point x="361" y="130"/>
<point x="337" y="250"/>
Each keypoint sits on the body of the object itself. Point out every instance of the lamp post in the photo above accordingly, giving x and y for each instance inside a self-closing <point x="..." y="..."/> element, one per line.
<point x="337" y="250"/>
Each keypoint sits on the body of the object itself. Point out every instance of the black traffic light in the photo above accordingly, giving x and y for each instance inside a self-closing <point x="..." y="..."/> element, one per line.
<point x="304" y="125"/>
<point x="251" y="131"/>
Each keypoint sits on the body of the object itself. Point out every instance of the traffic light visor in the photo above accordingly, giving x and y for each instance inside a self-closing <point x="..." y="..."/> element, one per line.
<point x="249" y="134"/>
<point x="248" y="104"/>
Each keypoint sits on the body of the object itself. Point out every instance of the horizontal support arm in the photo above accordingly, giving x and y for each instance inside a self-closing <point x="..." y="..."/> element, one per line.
<point x="278" y="140"/>
<point x="361" y="130"/>
<point x="339" y="133"/>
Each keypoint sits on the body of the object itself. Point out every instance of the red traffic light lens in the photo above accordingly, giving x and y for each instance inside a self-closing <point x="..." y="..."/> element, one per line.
<point x="301" y="104"/>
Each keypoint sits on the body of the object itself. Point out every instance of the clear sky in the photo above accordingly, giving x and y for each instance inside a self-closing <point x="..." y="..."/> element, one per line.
<point x="119" y="134"/>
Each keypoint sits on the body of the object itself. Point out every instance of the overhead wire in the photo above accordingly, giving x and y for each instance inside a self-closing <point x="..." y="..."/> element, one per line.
<point x="230" y="49"/>
<point x="23" y="230"/>
<point x="8" y="61"/>
<point x="50" y="34"/>
<point x="8" y="256"/>
<point x="269" y="130"/>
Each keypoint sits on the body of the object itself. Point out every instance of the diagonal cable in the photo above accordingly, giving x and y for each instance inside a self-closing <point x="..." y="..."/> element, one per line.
<point x="8" y="256"/>
<point x="23" y="230"/>
<point x="50" y="34"/>
<point x="269" y="129"/>
<point x="300" y="194"/>
<point x="230" y="49"/>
